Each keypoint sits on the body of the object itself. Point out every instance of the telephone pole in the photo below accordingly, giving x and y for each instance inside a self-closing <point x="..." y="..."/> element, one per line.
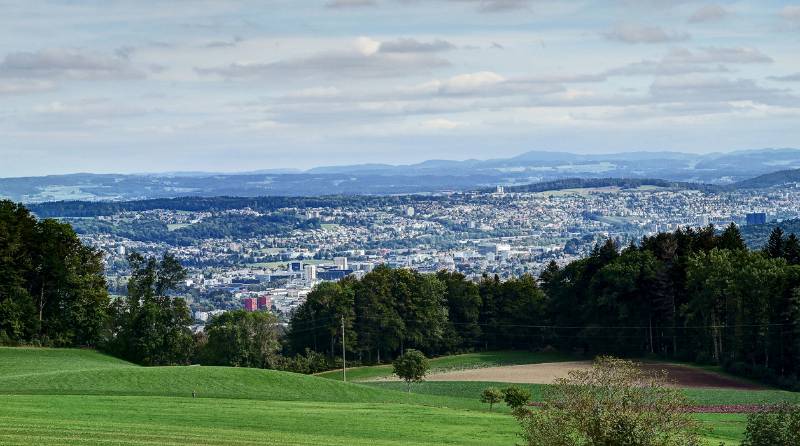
<point x="344" y="360"/>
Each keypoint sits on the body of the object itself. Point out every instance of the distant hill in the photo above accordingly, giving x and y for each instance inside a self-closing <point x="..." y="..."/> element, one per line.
<point x="779" y="178"/>
<point x="426" y="177"/>
<point x="623" y="183"/>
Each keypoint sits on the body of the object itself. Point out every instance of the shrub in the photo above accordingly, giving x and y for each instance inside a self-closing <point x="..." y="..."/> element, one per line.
<point x="613" y="403"/>
<point x="516" y="397"/>
<point x="491" y="396"/>
<point x="774" y="426"/>
<point x="411" y="366"/>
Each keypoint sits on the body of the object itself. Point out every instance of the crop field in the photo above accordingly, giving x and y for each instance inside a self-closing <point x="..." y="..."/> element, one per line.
<point x="80" y="397"/>
<point x="446" y="364"/>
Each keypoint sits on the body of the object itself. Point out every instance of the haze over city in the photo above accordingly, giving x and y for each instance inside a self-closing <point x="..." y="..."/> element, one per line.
<point x="234" y="86"/>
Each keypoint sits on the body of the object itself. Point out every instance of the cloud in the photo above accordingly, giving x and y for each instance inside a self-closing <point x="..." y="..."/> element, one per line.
<point x="737" y="55"/>
<point x="787" y="78"/>
<point x="791" y="13"/>
<point x="349" y="4"/>
<point x="493" y="6"/>
<point x="709" y="13"/>
<point x="415" y="46"/>
<point x="441" y="124"/>
<point x="67" y="64"/>
<point x="718" y="89"/>
<point x="684" y="61"/>
<point x="630" y="33"/>
<point x="21" y="86"/>
<point x="365" y="63"/>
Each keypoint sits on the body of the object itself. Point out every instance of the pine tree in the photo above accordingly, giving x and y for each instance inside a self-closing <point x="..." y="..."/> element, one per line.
<point x="775" y="244"/>
<point x="731" y="239"/>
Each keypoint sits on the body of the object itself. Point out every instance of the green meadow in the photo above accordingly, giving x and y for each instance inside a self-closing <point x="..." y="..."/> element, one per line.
<point x="80" y="397"/>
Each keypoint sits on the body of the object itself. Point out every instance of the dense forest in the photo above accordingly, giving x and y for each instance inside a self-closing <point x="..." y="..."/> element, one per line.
<point x="689" y="295"/>
<point x="52" y="289"/>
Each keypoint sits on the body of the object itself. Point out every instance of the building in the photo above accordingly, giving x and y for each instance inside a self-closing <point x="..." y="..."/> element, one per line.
<point x="250" y="304"/>
<point x="264" y="303"/>
<point x="340" y="262"/>
<point x="756" y="218"/>
<point x="410" y="211"/>
<point x="500" y="190"/>
<point x="334" y="274"/>
<point x="311" y="273"/>
<point x="296" y="266"/>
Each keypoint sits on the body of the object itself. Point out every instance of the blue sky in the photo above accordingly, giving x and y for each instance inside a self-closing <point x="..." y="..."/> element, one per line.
<point x="153" y="86"/>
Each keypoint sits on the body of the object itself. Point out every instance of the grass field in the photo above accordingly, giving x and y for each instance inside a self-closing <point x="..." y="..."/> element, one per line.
<point x="80" y="397"/>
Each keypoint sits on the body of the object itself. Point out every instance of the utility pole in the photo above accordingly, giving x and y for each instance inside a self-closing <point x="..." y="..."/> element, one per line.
<point x="344" y="360"/>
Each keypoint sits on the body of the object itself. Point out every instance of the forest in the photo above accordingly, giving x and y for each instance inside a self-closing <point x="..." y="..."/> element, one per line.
<point x="690" y="295"/>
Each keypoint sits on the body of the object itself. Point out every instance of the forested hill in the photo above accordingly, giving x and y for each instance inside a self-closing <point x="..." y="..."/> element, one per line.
<point x="208" y="204"/>
<point x="779" y="178"/>
<point x="756" y="236"/>
<point x="624" y="183"/>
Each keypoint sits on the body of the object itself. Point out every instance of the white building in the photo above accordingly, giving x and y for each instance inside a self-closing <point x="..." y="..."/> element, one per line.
<point x="340" y="262"/>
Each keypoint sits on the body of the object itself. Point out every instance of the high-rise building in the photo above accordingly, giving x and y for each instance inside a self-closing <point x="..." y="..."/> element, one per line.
<point x="340" y="262"/>
<point x="250" y="303"/>
<point x="311" y="273"/>
<point x="410" y="211"/>
<point x="296" y="265"/>
<point x="756" y="218"/>
<point x="264" y="303"/>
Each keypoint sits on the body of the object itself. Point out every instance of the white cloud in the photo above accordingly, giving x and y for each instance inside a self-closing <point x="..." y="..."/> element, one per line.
<point x="21" y="86"/>
<point x="415" y="46"/>
<point x="367" y="46"/>
<point x="791" y="13"/>
<point x="441" y="124"/>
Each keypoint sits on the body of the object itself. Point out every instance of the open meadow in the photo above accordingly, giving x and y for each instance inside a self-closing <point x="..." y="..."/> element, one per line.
<point x="80" y="397"/>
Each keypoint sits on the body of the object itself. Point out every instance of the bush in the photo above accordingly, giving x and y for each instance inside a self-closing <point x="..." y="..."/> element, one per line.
<point x="411" y="366"/>
<point x="613" y="403"/>
<point x="491" y="396"/>
<point x="516" y="397"/>
<point x="775" y="426"/>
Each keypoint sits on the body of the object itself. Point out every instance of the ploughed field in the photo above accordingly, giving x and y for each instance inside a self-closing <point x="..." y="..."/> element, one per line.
<point x="80" y="397"/>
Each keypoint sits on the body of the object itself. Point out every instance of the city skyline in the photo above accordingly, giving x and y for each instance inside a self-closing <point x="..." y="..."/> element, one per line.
<point x="129" y="87"/>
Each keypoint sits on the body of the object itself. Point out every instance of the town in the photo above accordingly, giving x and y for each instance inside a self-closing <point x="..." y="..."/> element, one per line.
<point x="475" y="233"/>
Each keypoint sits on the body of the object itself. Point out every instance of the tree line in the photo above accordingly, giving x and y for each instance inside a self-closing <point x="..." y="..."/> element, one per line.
<point x="693" y="295"/>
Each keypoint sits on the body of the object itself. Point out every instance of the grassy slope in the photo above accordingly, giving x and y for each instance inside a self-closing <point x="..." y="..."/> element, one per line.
<point x="50" y="396"/>
<point x="455" y="362"/>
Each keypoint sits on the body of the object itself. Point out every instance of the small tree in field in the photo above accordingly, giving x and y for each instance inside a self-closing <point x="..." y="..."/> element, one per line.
<point x="491" y="396"/>
<point x="775" y="426"/>
<point x="516" y="397"/>
<point x="613" y="403"/>
<point x="411" y="367"/>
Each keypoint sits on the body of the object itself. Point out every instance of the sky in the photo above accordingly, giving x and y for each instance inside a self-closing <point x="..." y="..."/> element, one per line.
<point x="155" y="86"/>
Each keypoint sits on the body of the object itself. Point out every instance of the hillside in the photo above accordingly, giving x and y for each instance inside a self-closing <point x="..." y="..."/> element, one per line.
<point x="779" y="178"/>
<point x="74" y="397"/>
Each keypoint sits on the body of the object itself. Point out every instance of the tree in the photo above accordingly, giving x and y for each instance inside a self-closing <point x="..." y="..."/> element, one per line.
<point x="775" y="244"/>
<point x="516" y="397"/>
<point x="491" y="396"/>
<point x="731" y="238"/>
<point x="150" y="326"/>
<point x="411" y="367"/>
<point x="791" y="250"/>
<point x="613" y="403"/>
<point x="241" y="339"/>
<point x="52" y="289"/>
<point x="773" y="426"/>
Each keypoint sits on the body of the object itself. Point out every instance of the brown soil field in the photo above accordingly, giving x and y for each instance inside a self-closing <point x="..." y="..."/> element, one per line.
<point x="546" y="373"/>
